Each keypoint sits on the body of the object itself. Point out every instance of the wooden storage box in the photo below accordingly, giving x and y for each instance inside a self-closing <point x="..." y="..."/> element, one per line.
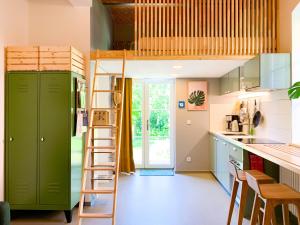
<point x="100" y="118"/>
<point x="61" y="59"/>
<point x="22" y="58"/>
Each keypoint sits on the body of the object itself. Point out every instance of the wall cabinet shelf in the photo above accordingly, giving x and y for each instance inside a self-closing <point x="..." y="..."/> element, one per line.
<point x="43" y="159"/>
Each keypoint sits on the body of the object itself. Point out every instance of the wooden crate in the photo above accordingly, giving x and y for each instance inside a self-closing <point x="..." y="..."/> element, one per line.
<point x="22" y="58"/>
<point x="55" y="58"/>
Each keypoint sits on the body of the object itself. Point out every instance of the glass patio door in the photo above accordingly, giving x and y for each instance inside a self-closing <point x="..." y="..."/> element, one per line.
<point x="152" y="123"/>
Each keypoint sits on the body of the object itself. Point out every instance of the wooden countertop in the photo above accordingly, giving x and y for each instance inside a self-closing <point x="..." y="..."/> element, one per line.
<point x="287" y="157"/>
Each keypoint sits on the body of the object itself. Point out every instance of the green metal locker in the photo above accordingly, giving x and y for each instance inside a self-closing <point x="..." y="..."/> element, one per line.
<point x="43" y="157"/>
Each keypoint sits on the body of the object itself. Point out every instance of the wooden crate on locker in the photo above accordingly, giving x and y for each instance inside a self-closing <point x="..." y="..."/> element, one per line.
<point x="65" y="58"/>
<point x="22" y="58"/>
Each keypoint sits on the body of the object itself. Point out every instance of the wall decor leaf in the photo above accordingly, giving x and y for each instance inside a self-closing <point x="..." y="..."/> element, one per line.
<point x="197" y="98"/>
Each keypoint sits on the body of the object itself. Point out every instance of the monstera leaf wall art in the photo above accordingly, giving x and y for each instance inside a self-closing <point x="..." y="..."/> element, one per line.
<point x="197" y="95"/>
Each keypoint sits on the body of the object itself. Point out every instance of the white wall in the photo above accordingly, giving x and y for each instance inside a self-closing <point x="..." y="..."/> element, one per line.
<point x="13" y="31"/>
<point x="57" y="22"/>
<point x="296" y="72"/>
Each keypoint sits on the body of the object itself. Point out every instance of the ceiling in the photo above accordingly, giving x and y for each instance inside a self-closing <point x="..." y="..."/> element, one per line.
<point x="172" y="68"/>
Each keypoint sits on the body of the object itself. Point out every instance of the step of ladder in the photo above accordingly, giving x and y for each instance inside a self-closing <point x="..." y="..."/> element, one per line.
<point x="102" y="147"/>
<point x="104" y="139"/>
<point x="103" y="177"/>
<point x="95" y="215"/>
<point x="109" y="74"/>
<point x="98" y="168"/>
<point x="109" y="190"/>
<point x="103" y="109"/>
<point x="103" y="127"/>
<point x="103" y="151"/>
<point x="107" y="91"/>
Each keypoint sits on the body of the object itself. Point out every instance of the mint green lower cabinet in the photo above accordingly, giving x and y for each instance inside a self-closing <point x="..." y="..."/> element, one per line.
<point x="43" y="157"/>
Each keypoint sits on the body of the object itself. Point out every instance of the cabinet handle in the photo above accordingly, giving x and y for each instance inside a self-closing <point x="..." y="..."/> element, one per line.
<point x="42" y="139"/>
<point x="224" y="143"/>
<point x="11" y="139"/>
<point x="234" y="149"/>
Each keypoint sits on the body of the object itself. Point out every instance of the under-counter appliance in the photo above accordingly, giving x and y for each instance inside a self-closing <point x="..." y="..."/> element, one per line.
<point x="232" y="123"/>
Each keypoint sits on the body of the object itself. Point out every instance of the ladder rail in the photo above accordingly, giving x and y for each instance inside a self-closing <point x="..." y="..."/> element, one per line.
<point x="119" y="141"/>
<point x="86" y="150"/>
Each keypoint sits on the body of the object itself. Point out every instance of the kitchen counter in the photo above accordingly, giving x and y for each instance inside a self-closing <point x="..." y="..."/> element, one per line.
<point x="289" y="157"/>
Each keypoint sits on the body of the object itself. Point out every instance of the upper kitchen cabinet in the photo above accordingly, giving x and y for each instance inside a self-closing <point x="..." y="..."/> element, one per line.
<point x="230" y="82"/>
<point x="267" y="72"/>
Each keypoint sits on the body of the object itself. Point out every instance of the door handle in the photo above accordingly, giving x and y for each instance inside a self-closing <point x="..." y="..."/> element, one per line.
<point x="147" y="124"/>
<point x="42" y="139"/>
<point x="11" y="139"/>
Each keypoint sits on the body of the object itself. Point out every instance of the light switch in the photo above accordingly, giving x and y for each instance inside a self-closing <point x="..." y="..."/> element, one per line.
<point x="188" y="122"/>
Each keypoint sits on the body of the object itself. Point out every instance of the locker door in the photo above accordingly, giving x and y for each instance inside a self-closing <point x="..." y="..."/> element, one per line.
<point x="54" y="138"/>
<point x="21" y="138"/>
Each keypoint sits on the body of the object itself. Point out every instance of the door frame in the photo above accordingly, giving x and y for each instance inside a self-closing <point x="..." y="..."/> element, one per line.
<point x="145" y="115"/>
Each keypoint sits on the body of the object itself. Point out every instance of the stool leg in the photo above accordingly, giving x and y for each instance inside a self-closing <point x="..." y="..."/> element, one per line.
<point x="268" y="213"/>
<point x="255" y="210"/>
<point x="243" y="202"/>
<point x="298" y="211"/>
<point x="285" y="213"/>
<point x="274" y="220"/>
<point x="232" y="201"/>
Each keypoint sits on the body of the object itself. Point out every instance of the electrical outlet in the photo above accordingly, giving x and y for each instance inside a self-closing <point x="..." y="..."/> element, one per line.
<point x="188" y="159"/>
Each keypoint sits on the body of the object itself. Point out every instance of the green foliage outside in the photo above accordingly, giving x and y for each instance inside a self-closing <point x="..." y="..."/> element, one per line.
<point x="159" y="110"/>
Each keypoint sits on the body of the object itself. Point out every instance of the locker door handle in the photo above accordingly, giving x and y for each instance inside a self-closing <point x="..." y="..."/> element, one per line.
<point x="11" y="139"/>
<point x="42" y="139"/>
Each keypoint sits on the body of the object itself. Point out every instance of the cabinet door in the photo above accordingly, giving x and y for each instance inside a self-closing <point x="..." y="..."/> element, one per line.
<point x="213" y="154"/>
<point x="54" y="137"/>
<point x="251" y="73"/>
<point x="275" y="71"/>
<point x="21" y="138"/>
<point x="234" y="80"/>
<point x="224" y="86"/>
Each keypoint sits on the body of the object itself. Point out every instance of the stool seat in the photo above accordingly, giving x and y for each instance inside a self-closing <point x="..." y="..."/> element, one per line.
<point x="278" y="192"/>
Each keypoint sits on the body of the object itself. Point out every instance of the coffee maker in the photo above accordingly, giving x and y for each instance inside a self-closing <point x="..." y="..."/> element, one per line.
<point x="233" y="123"/>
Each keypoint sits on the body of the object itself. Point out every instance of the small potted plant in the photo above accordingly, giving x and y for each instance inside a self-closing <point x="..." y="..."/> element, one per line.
<point x="294" y="91"/>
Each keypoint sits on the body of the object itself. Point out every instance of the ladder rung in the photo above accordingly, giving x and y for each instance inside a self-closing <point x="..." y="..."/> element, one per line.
<point x="100" y="168"/>
<point x="104" y="139"/>
<point x="103" y="164"/>
<point x="108" y="74"/>
<point x="106" y="91"/>
<point x="104" y="147"/>
<point x="100" y="191"/>
<point x="104" y="177"/>
<point x="95" y="215"/>
<point x="112" y="108"/>
<point x="103" y="126"/>
<point x="104" y="151"/>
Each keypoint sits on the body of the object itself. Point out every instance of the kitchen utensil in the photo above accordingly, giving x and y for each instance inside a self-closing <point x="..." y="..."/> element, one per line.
<point x="257" y="115"/>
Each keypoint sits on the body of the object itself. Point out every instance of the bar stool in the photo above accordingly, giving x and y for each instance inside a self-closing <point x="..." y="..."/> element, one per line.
<point x="239" y="176"/>
<point x="272" y="195"/>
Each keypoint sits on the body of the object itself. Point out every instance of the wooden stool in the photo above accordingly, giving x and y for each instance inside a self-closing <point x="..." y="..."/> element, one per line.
<point x="272" y="195"/>
<point x="239" y="176"/>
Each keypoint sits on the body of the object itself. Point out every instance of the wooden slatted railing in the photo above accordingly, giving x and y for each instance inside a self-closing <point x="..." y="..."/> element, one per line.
<point x="204" y="27"/>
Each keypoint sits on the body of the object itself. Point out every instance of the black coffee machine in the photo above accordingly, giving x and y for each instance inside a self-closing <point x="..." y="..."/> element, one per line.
<point x="233" y="123"/>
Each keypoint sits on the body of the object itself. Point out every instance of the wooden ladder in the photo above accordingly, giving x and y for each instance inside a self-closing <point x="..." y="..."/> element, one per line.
<point x="111" y="152"/>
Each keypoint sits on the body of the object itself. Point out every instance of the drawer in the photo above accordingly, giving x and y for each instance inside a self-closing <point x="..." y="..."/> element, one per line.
<point x="236" y="153"/>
